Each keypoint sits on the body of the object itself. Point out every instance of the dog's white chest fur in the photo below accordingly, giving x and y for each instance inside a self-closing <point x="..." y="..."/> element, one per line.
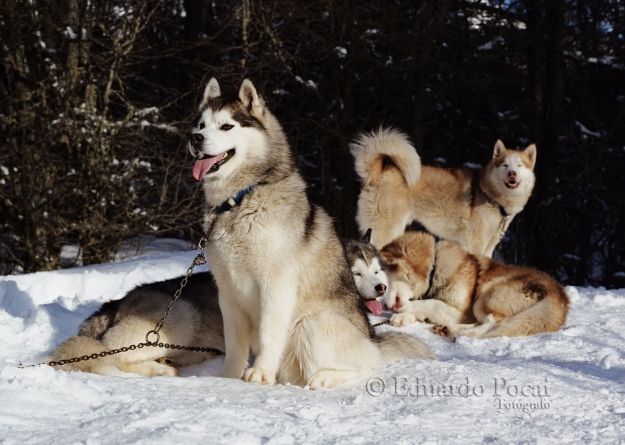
<point x="248" y="242"/>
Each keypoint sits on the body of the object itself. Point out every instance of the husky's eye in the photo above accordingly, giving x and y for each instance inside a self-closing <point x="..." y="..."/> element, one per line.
<point x="504" y="165"/>
<point x="201" y="126"/>
<point x="357" y="274"/>
<point x="226" y="127"/>
<point x="376" y="272"/>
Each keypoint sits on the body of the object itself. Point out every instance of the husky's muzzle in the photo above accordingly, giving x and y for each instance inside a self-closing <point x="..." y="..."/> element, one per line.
<point x="206" y="163"/>
<point x="195" y="143"/>
<point x="511" y="181"/>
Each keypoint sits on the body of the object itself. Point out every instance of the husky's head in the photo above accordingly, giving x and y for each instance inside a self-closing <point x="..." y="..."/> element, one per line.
<point x="409" y="262"/>
<point x="368" y="271"/>
<point x="237" y="141"/>
<point x="513" y="170"/>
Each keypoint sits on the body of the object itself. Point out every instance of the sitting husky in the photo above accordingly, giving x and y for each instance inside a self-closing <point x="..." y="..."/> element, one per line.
<point x="470" y="206"/>
<point x="471" y="295"/>
<point x="285" y="289"/>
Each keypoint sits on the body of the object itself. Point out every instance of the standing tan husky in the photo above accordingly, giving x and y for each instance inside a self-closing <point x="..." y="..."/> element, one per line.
<point x="465" y="294"/>
<point x="286" y="291"/>
<point x="470" y="206"/>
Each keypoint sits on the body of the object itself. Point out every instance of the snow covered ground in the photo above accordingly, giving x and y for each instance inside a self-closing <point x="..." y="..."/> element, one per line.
<point x="554" y="388"/>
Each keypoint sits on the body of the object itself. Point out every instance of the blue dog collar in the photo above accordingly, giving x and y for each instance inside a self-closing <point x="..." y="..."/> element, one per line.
<point x="235" y="200"/>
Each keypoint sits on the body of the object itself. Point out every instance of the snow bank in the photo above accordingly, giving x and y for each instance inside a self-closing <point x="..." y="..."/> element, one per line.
<point x="562" y="387"/>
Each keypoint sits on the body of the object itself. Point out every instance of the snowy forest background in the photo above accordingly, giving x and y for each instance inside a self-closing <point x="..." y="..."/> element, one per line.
<point x="96" y="98"/>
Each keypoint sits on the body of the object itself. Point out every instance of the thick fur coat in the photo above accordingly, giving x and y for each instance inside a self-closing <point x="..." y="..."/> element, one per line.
<point x="472" y="206"/>
<point x="470" y="295"/>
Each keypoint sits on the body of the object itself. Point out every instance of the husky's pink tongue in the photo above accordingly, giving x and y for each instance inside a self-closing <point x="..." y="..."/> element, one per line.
<point x="374" y="306"/>
<point x="201" y="167"/>
<point x="396" y="307"/>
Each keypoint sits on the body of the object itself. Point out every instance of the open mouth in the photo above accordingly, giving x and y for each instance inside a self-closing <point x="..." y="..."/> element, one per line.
<point x="210" y="164"/>
<point x="374" y="306"/>
<point x="512" y="184"/>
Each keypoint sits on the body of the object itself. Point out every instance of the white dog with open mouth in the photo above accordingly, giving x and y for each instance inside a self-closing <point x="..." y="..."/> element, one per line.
<point x="285" y="288"/>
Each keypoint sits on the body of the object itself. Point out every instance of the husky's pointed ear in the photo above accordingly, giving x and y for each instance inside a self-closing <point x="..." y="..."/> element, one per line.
<point x="530" y="152"/>
<point x="366" y="238"/>
<point x="211" y="91"/>
<point x="250" y="98"/>
<point x="499" y="149"/>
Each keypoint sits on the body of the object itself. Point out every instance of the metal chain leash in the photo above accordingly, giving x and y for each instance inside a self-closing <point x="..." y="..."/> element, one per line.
<point x="129" y="348"/>
<point x="504" y="219"/>
<point x="199" y="260"/>
<point x="502" y="231"/>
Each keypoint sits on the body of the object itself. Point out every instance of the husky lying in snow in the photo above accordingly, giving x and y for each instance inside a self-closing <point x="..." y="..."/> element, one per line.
<point x="195" y="320"/>
<point x="470" y="295"/>
<point x="470" y="206"/>
<point x="368" y="271"/>
<point x="285" y="288"/>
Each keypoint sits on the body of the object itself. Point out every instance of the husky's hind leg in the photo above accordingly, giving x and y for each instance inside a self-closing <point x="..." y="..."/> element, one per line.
<point x="149" y="368"/>
<point x="328" y="378"/>
<point x="479" y="330"/>
<point x="451" y="330"/>
<point x="429" y="311"/>
<point x="331" y="350"/>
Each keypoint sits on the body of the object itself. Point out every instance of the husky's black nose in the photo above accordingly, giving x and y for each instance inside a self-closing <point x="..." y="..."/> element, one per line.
<point x="197" y="140"/>
<point x="381" y="288"/>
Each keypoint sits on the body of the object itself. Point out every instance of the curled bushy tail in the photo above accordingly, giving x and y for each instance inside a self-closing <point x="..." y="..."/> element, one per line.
<point x="548" y="315"/>
<point x="371" y="149"/>
<point x="398" y="347"/>
<point x="96" y="325"/>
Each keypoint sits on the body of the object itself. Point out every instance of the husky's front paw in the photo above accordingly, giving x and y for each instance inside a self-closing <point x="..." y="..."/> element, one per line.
<point x="259" y="375"/>
<point x="166" y="361"/>
<point x="327" y="378"/>
<point x="150" y="369"/>
<point x="167" y="370"/>
<point x="441" y="330"/>
<point x="403" y="319"/>
<point x="463" y="333"/>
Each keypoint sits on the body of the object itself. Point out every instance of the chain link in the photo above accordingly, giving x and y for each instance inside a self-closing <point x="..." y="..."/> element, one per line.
<point x="129" y="348"/>
<point x="199" y="260"/>
<point x="504" y="218"/>
<point x="502" y="231"/>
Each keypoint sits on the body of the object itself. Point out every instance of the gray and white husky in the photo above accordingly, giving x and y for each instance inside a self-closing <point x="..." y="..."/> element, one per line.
<point x="195" y="320"/>
<point x="368" y="271"/>
<point x="285" y="289"/>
